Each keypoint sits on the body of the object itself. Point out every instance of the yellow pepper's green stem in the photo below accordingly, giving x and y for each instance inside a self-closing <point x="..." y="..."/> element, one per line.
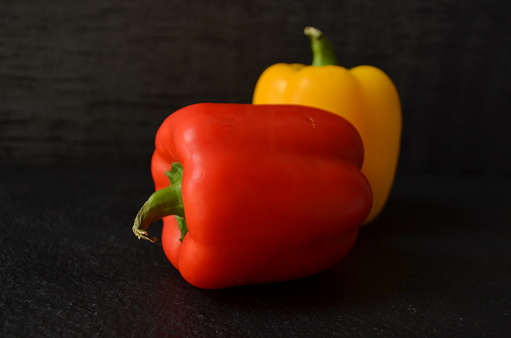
<point x="322" y="51"/>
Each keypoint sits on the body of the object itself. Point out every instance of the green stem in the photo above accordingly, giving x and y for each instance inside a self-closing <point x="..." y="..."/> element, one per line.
<point x="323" y="53"/>
<point x="164" y="202"/>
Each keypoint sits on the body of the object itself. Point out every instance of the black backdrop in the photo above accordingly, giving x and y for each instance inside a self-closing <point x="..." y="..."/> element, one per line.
<point x="89" y="82"/>
<point x="85" y="84"/>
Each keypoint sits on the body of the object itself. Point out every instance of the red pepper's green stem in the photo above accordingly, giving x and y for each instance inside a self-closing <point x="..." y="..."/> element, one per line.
<point x="164" y="202"/>
<point x="322" y="51"/>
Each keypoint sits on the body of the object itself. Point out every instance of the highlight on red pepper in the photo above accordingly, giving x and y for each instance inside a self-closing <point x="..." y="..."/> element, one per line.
<point x="255" y="193"/>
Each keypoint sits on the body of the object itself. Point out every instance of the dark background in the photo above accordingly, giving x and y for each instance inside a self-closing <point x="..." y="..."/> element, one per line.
<point x="84" y="86"/>
<point x="90" y="81"/>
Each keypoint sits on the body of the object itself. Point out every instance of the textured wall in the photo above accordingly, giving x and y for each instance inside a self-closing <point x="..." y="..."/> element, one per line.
<point x="90" y="81"/>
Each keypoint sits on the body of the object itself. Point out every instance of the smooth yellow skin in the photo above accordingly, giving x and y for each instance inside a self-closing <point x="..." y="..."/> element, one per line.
<point x="363" y="95"/>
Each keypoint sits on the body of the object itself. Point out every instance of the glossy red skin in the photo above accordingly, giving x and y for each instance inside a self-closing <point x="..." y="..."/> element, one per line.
<point x="270" y="192"/>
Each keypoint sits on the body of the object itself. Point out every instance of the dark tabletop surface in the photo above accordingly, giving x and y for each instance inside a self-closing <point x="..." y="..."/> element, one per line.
<point x="436" y="263"/>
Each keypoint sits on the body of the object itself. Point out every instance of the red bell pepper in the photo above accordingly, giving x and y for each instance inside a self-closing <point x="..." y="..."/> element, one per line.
<point x="260" y="193"/>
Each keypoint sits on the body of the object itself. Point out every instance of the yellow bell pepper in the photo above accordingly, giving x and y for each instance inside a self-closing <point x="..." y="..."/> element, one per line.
<point x="364" y="95"/>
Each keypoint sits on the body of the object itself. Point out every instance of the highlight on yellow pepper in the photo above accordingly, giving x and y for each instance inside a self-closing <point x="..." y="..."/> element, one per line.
<point x="364" y="95"/>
